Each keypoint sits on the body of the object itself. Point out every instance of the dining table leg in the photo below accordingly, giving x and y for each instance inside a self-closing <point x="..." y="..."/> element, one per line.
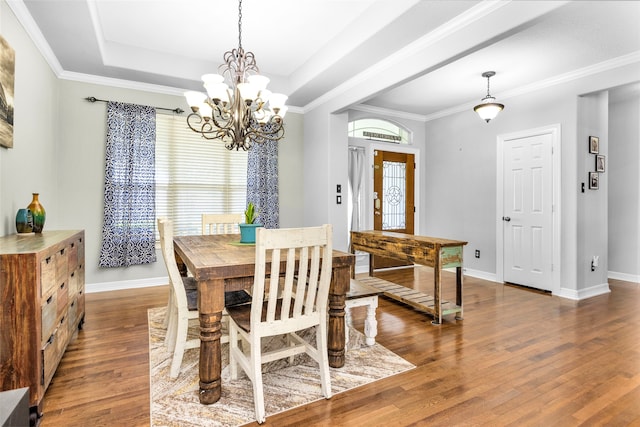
<point x="210" y="306"/>
<point x="340" y="280"/>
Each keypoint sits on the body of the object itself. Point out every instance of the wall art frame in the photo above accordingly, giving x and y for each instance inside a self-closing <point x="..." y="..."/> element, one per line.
<point x="594" y="145"/>
<point x="600" y="163"/>
<point x="594" y="180"/>
<point x="7" y="78"/>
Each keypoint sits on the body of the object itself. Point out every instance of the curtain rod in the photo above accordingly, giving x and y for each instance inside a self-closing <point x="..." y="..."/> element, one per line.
<point x="175" y="110"/>
<point x="355" y="148"/>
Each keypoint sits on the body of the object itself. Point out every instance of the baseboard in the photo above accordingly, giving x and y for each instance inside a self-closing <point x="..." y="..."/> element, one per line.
<point x="479" y="274"/>
<point x="635" y="278"/>
<point x="580" y="294"/>
<point x="126" y="284"/>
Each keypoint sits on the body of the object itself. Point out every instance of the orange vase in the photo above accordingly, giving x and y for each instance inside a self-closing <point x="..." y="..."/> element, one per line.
<point x="38" y="214"/>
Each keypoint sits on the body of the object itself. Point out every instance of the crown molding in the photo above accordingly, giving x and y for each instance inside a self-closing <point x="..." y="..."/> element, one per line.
<point x="120" y="83"/>
<point x="388" y="112"/>
<point x="24" y="17"/>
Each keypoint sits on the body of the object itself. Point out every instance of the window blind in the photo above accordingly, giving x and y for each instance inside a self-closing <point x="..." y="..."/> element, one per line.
<point x="195" y="176"/>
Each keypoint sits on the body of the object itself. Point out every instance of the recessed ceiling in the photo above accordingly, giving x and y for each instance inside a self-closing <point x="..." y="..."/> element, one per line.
<point x="312" y="47"/>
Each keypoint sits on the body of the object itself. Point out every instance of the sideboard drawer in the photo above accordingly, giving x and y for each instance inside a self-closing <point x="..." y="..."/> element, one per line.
<point x="62" y="297"/>
<point x="73" y="256"/>
<point x="49" y="316"/>
<point x="53" y="350"/>
<point x="62" y="266"/>
<point x="47" y="276"/>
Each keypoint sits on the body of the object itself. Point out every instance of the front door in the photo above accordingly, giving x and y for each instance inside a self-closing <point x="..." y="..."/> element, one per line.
<point x="393" y="204"/>
<point x="527" y="211"/>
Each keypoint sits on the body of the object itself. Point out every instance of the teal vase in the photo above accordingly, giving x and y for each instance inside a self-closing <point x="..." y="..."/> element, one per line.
<point x="248" y="232"/>
<point x="38" y="213"/>
<point x="24" y="221"/>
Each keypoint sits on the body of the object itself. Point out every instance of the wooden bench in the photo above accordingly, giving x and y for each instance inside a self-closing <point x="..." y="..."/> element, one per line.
<point x="360" y="295"/>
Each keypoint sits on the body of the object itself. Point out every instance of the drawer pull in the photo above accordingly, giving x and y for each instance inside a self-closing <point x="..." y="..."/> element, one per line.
<point x="62" y="285"/>
<point x="62" y="251"/>
<point x="51" y="339"/>
<point x="73" y="244"/>
<point x="48" y="260"/>
<point x="49" y="299"/>
<point x="73" y="274"/>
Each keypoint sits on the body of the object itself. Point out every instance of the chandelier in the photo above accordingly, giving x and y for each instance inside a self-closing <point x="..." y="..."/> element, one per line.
<point x="488" y="109"/>
<point x="243" y="112"/>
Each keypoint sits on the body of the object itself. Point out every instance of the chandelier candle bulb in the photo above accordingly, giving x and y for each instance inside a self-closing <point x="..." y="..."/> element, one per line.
<point x="194" y="99"/>
<point x="205" y="110"/>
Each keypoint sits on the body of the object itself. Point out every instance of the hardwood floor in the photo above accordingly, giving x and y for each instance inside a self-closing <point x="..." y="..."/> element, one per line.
<point x="519" y="358"/>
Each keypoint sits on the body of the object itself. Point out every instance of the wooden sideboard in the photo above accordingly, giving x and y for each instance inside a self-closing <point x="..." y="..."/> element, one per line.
<point x="42" y="300"/>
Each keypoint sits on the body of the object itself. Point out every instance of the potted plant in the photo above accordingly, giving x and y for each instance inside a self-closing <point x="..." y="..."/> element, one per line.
<point x="248" y="229"/>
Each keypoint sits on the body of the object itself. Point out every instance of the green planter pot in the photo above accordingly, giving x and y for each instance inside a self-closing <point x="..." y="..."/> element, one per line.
<point x="248" y="232"/>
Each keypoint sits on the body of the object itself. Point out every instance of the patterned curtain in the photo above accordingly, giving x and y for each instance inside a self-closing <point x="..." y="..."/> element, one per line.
<point x="128" y="232"/>
<point x="262" y="182"/>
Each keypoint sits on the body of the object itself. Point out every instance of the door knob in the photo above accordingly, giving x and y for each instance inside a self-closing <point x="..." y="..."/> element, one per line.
<point x="506" y="218"/>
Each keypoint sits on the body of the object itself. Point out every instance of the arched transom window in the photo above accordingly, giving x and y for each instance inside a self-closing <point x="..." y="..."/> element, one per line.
<point x="379" y="130"/>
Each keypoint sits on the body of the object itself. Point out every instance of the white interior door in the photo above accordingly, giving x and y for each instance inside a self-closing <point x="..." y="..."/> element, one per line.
<point x="528" y="211"/>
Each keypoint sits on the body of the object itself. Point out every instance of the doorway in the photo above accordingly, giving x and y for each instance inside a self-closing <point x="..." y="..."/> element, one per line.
<point x="528" y="208"/>
<point x="393" y="197"/>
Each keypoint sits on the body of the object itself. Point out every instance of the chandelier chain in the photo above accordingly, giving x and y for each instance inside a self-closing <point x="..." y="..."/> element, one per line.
<point x="240" y="24"/>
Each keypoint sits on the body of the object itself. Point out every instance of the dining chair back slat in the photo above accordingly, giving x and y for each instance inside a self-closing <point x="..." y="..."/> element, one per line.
<point x="221" y="223"/>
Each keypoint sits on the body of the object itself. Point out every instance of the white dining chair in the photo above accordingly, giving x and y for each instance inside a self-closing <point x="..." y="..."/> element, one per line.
<point x="183" y="302"/>
<point x="221" y="223"/>
<point x="302" y="305"/>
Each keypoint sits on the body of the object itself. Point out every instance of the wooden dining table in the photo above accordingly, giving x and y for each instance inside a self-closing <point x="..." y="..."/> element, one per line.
<point x="220" y="263"/>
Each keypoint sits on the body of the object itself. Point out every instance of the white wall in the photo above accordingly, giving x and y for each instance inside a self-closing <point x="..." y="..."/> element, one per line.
<point x="592" y="204"/>
<point x="623" y="176"/>
<point x="31" y="165"/>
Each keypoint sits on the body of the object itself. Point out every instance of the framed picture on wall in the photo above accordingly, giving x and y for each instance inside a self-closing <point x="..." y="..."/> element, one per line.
<point x="594" y="180"/>
<point x="7" y="70"/>
<point x="600" y="163"/>
<point x="594" y="144"/>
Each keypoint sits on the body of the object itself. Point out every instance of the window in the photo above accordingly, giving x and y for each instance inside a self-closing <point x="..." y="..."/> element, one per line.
<point x="195" y="176"/>
<point x="379" y="130"/>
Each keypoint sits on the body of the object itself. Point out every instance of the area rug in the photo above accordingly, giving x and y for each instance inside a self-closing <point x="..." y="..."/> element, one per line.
<point x="175" y="402"/>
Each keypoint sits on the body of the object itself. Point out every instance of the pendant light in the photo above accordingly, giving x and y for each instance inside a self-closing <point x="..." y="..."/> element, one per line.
<point x="488" y="109"/>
